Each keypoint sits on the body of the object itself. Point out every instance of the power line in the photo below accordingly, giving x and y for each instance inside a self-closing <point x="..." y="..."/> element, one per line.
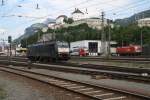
<point x="126" y="12"/>
<point x="12" y="9"/>
<point x="101" y="3"/>
<point x="61" y="10"/>
<point x="19" y="5"/>
<point x="37" y="7"/>
<point x="81" y="3"/>
<point x="128" y="7"/>
<point x="2" y="2"/>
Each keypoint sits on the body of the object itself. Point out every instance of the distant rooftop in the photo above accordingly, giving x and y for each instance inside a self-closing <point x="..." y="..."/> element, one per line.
<point x="94" y="18"/>
<point x="77" y="11"/>
<point x="145" y="19"/>
<point x="62" y="16"/>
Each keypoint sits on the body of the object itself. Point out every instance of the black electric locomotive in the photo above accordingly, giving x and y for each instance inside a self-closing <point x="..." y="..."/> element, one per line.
<point x="49" y="51"/>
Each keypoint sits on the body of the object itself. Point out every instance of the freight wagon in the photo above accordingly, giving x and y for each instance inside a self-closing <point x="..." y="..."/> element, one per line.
<point x="131" y="50"/>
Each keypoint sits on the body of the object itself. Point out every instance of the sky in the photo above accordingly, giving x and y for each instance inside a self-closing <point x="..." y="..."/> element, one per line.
<point x="16" y="15"/>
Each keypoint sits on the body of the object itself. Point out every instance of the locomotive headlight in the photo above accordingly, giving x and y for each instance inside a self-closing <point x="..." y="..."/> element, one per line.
<point x="63" y="50"/>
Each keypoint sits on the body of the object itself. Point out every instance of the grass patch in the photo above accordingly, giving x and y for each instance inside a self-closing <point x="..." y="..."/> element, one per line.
<point x="2" y="94"/>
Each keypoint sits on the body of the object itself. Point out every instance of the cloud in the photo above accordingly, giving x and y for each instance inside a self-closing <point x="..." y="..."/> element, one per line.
<point x="2" y="30"/>
<point x="52" y="9"/>
<point x="94" y="6"/>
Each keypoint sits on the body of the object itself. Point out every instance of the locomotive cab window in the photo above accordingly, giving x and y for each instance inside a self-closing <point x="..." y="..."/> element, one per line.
<point x="62" y="45"/>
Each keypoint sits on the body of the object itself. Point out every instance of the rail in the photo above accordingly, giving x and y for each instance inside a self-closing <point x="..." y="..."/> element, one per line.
<point x="82" y="88"/>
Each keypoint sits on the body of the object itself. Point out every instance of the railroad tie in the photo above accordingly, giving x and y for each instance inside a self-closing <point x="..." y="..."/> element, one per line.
<point x="55" y="81"/>
<point x="92" y="92"/>
<point x="52" y="80"/>
<point x="86" y="89"/>
<point x="64" y="83"/>
<point x="116" y="98"/>
<point x="69" y="85"/>
<point x="61" y="82"/>
<point x="77" y="97"/>
<point x="76" y="87"/>
<point x="68" y="94"/>
<point x="105" y="94"/>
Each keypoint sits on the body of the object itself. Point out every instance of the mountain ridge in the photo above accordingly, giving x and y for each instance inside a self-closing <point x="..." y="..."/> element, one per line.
<point x="132" y="19"/>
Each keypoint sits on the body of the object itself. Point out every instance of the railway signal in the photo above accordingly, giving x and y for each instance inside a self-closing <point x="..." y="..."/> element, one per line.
<point x="9" y="41"/>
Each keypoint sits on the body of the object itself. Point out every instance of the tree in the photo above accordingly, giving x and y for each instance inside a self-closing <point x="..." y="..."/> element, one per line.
<point x="127" y="35"/>
<point x="68" y="20"/>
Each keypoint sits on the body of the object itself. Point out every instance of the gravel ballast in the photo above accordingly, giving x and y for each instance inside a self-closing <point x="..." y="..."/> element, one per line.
<point x="17" y="90"/>
<point x="21" y="88"/>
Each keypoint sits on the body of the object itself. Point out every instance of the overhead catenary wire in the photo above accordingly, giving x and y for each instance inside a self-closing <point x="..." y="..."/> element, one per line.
<point x="94" y="5"/>
<point x="132" y="5"/>
<point x="11" y="9"/>
<point x="68" y="8"/>
<point x="127" y="7"/>
<point x="2" y="3"/>
<point x="118" y="12"/>
<point x="13" y="15"/>
<point x="83" y="2"/>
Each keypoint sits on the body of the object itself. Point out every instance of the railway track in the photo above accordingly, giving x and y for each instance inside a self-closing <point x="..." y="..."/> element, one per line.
<point x="112" y="59"/>
<point x="133" y="74"/>
<point x="90" y="71"/>
<point x="94" y="92"/>
<point x="107" y="67"/>
<point x="115" y="59"/>
<point x="92" y="66"/>
<point x="128" y="73"/>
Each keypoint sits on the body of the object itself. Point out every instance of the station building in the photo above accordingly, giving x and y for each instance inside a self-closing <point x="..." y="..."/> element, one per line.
<point x="94" y="47"/>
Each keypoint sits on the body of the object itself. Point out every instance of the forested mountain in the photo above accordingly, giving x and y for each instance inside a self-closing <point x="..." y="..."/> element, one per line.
<point x="127" y="33"/>
<point x="133" y="19"/>
<point x="29" y="31"/>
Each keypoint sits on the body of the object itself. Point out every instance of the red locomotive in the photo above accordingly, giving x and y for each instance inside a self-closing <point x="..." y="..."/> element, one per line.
<point x="131" y="50"/>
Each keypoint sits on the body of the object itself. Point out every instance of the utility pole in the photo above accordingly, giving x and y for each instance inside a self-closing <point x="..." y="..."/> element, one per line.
<point x="109" y="39"/>
<point x="2" y="2"/>
<point x="103" y="37"/>
<point x="10" y="53"/>
<point x="54" y="34"/>
<point x="143" y="16"/>
<point x="38" y="36"/>
<point x="141" y="38"/>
